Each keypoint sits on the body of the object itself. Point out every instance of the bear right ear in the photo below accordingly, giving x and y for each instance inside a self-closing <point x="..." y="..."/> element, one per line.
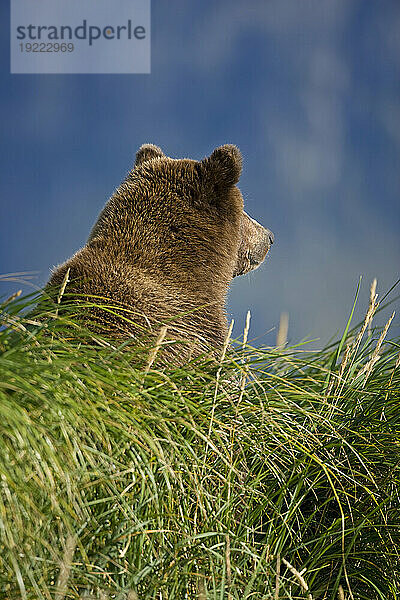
<point x="224" y="166"/>
<point x="147" y="152"/>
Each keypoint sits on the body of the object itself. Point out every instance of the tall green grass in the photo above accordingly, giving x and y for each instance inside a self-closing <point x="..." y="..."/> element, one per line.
<point x="272" y="474"/>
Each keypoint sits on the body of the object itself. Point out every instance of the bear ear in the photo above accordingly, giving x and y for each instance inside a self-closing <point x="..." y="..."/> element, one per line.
<point x="224" y="165"/>
<point x="147" y="152"/>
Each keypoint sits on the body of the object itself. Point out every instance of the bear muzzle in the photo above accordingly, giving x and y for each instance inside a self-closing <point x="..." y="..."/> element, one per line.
<point x="254" y="246"/>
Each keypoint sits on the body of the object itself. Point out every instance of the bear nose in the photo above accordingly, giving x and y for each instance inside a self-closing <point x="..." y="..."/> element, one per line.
<point x="271" y="236"/>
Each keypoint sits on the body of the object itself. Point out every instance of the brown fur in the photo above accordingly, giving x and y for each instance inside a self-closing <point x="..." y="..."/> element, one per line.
<point x="166" y="246"/>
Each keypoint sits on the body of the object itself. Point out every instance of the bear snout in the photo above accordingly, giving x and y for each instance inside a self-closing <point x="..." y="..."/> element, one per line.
<point x="260" y="242"/>
<point x="254" y="246"/>
<point x="261" y="246"/>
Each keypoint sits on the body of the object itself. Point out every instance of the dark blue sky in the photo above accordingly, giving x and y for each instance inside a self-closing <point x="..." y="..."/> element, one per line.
<point x="310" y="92"/>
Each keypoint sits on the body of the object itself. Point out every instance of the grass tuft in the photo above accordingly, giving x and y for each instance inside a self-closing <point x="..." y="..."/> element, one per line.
<point x="273" y="473"/>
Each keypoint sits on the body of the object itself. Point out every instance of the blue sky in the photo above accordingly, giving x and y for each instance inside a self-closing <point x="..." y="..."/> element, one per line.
<point x="310" y="92"/>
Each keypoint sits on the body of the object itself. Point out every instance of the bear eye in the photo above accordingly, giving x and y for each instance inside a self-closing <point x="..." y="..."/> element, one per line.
<point x="176" y="232"/>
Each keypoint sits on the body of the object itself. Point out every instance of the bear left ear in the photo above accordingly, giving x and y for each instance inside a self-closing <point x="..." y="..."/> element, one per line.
<point x="147" y="152"/>
<point x="225" y="165"/>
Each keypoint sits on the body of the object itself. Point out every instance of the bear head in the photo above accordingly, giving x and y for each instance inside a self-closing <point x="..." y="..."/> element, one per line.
<point x="184" y="220"/>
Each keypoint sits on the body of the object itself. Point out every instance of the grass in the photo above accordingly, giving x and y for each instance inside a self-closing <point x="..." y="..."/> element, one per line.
<point x="274" y="474"/>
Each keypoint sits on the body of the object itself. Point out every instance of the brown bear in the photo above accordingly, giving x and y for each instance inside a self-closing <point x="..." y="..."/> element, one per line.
<point x="164" y="250"/>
